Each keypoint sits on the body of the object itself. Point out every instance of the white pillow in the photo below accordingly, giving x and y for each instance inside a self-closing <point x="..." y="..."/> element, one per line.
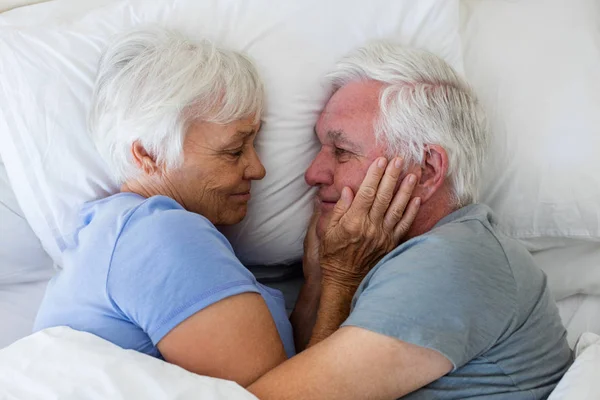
<point x="581" y="380"/>
<point x="579" y="314"/>
<point x="47" y="72"/>
<point x="571" y="265"/>
<point x="61" y="363"/>
<point x="536" y="67"/>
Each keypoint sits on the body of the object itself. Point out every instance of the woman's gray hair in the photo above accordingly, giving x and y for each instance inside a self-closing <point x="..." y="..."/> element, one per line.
<point x="424" y="102"/>
<point x="153" y="82"/>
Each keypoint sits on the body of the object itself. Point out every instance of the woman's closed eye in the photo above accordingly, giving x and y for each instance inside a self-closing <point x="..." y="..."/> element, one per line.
<point x="234" y="154"/>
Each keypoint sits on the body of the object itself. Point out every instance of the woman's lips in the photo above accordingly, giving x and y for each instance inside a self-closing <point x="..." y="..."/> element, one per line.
<point x="242" y="196"/>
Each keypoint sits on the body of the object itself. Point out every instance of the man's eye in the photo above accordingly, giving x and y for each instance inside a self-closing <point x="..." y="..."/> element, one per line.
<point x="340" y="152"/>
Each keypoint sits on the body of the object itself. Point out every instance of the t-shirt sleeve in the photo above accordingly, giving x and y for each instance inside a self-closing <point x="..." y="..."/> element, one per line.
<point x="454" y="295"/>
<point x="169" y="264"/>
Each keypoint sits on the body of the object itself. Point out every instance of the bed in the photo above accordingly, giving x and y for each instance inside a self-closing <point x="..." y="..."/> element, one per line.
<point x="539" y="81"/>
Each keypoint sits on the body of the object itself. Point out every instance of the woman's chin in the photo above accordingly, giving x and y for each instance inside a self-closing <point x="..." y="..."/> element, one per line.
<point x="234" y="217"/>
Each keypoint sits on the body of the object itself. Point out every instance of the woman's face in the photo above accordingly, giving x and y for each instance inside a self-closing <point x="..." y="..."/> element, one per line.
<point x="219" y="164"/>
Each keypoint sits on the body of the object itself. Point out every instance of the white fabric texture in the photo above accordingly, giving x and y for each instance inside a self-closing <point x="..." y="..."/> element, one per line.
<point x="536" y="67"/>
<point x="6" y="5"/>
<point x="581" y="380"/>
<point x="61" y="363"/>
<point x="25" y="268"/>
<point x="572" y="265"/>
<point x="47" y="71"/>
<point x="580" y="313"/>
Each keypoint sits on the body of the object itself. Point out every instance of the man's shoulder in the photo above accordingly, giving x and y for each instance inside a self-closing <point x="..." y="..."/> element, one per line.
<point x="475" y="221"/>
<point x="462" y="234"/>
<point x="466" y="248"/>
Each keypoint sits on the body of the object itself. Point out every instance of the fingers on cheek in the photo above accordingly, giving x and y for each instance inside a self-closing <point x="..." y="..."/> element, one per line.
<point x="394" y="168"/>
<point x="410" y="182"/>
<point x="353" y="228"/>
<point x="396" y="213"/>
<point x="368" y="193"/>
<point x="375" y="171"/>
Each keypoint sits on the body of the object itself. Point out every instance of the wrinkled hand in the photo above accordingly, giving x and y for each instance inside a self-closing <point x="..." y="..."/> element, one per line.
<point x="310" y="262"/>
<point x="365" y="227"/>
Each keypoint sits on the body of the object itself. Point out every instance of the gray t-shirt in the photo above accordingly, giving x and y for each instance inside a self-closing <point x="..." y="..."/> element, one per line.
<point x="476" y="296"/>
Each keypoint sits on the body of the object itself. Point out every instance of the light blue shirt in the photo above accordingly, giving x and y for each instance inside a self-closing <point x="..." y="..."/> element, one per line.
<point x="475" y="296"/>
<point x="136" y="268"/>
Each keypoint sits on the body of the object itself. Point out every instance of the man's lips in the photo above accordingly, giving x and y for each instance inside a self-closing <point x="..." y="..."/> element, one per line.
<point x="327" y="204"/>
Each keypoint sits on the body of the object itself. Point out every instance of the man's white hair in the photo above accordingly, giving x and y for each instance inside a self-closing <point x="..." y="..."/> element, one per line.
<point x="153" y="82"/>
<point x="423" y="102"/>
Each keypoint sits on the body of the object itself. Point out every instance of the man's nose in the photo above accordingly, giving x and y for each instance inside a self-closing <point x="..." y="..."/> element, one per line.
<point x="320" y="171"/>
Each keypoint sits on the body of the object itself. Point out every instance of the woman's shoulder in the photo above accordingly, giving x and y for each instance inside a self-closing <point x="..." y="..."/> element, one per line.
<point x="161" y="217"/>
<point x="130" y="213"/>
<point x="160" y="225"/>
<point x="162" y="240"/>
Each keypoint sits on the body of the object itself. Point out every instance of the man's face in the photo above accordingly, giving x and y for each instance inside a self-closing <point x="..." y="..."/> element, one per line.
<point x="348" y="145"/>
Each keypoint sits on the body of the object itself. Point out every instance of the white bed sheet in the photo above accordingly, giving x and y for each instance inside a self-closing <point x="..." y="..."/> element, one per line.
<point x="6" y="5"/>
<point x="61" y="363"/>
<point x="580" y="313"/>
<point x="24" y="268"/>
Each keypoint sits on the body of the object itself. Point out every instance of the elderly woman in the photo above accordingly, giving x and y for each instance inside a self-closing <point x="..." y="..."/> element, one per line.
<point x="147" y="269"/>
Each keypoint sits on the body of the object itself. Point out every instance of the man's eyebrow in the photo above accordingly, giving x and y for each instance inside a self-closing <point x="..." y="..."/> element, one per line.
<point x="339" y="136"/>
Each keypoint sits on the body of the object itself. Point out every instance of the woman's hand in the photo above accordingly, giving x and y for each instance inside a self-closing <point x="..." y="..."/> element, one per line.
<point x="311" y="262"/>
<point x="365" y="227"/>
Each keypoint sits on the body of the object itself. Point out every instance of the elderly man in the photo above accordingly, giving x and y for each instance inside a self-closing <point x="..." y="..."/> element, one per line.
<point x="457" y="310"/>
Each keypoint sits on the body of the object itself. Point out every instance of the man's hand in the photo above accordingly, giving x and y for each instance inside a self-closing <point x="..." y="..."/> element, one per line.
<point x="366" y="227"/>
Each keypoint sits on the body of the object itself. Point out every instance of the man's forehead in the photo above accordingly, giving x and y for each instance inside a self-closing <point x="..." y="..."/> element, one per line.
<point x="356" y="96"/>
<point x="349" y="115"/>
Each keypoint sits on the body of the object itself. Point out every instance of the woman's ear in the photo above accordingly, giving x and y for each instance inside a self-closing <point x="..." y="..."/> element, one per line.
<point x="434" y="169"/>
<point x="143" y="159"/>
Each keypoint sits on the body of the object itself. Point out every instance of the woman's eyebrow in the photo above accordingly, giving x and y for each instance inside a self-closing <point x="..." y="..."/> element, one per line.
<point x="242" y="134"/>
<point x="247" y="131"/>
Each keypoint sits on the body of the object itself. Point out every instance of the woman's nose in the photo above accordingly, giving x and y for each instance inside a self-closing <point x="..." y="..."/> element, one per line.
<point x="255" y="170"/>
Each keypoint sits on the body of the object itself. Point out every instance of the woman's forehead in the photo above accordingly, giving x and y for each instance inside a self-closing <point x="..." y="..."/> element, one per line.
<point x="222" y="134"/>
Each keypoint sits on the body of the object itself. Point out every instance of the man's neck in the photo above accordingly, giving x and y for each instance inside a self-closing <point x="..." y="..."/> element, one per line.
<point x="430" y="213"/>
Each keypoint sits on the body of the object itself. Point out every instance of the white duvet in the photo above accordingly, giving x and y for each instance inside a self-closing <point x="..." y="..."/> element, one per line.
<point x="61" y="363"/>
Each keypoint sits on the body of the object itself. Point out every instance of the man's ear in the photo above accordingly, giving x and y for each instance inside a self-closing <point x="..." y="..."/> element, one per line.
<point x="433" y="172"/>
<point x="142" y="159"/>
